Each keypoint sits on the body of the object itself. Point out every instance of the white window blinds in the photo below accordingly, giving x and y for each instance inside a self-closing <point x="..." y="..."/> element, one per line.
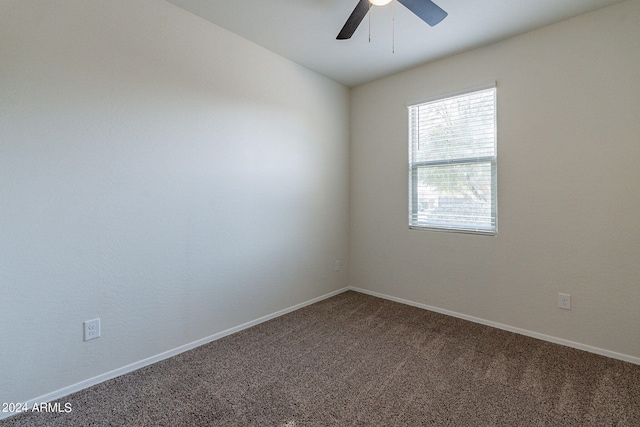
<point x="452" y="163"/>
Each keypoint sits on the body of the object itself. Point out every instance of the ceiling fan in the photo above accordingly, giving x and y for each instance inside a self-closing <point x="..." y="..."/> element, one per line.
<point x="426" y="10"/>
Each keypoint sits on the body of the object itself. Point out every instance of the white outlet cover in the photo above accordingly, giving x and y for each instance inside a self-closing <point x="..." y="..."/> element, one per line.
<point x="564" y="301"/>
<point x="91" y="329"/>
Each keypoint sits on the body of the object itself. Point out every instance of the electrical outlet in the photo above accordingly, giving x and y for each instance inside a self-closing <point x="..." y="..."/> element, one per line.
<point x="564" y="301"/>
<point x="91" y="329"/>
<point x="337" y="266"/>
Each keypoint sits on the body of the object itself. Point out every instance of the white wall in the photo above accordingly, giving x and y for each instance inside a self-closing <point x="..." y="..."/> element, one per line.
<point x="160" y="173"/>
<point x="568" y="190"/>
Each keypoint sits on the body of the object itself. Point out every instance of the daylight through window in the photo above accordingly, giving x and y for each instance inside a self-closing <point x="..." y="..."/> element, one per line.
<point x="452" y="162"/>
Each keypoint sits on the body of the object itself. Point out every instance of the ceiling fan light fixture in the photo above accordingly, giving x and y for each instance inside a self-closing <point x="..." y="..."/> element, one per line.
<point x="379" y="2"/>
<point x="426" y="10"/>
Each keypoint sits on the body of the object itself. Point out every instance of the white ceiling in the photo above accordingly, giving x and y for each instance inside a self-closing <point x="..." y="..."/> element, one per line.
<point x="305" y="30"/>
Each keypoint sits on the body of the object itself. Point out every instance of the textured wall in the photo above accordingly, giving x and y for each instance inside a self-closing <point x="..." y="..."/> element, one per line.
<point x="568" y="193"/>
<point x="160" y="173"/>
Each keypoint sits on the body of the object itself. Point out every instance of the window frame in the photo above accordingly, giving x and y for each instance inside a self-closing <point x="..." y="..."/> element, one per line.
<point x="414" y="167"/>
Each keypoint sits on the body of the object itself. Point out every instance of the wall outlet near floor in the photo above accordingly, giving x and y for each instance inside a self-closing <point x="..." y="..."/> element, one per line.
<point x="564" y="301"/>
<point x="91" y="329"/>
<point x="336" y="266"/>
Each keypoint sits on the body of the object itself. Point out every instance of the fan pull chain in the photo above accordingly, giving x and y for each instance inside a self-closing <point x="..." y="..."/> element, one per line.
<point x="393" y="27"/>
<point x="369" y="13"/>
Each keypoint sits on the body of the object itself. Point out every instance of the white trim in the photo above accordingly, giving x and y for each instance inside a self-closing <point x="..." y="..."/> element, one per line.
<point x="477" y="231"/>
<point x="58" y="394"/>
<point x="453" y="93"/>
<point x="549" y="338"/>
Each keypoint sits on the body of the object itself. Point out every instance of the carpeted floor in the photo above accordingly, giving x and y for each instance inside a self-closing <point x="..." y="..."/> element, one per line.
<point x="356" y="360"/>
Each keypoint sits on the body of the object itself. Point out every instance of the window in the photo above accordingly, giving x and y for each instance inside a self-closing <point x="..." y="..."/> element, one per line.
<point x="452" y="162"/>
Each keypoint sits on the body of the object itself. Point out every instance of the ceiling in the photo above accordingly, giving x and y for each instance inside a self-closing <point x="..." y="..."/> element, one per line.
<point x="305" y="31"/>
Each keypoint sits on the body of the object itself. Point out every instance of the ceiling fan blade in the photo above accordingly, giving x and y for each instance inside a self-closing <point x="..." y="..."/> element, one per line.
<point x="427" y="10"/>
<point x="354" y="20"/>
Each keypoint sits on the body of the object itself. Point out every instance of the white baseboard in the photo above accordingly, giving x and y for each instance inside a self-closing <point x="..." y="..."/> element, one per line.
<point x="549" y="338"/>
<point x="58" y="394"/>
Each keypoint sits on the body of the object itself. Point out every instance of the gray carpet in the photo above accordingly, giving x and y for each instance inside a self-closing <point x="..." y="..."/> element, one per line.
<point x="356" y="360"/>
